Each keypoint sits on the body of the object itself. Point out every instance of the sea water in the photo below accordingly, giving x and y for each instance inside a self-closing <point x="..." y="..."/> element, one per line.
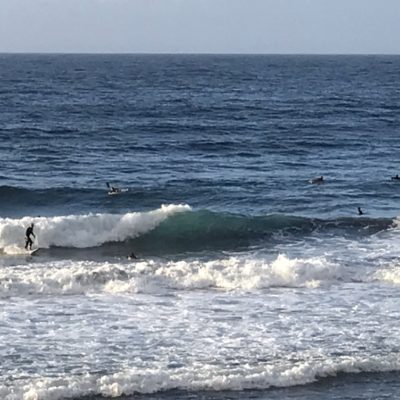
<point x="250" y="282"/>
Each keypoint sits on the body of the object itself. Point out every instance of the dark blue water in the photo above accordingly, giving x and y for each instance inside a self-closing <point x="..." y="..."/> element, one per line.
<point x="236" y="138"/>
<point x="241" y="134"/>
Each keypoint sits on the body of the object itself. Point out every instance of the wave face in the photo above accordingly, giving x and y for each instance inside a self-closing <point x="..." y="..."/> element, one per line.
<point x="172" y="228"/>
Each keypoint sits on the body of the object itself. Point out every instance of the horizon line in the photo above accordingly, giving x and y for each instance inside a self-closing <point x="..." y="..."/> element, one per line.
<point x="190" y="53"/>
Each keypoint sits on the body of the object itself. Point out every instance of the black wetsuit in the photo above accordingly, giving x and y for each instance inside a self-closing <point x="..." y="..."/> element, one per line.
<point x="132" y="256"/>
<point x="29" y="241"/>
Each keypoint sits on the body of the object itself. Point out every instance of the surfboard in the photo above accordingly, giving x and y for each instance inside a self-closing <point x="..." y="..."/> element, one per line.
<point x="33" y="252"/>
<point x="118" y="191"/>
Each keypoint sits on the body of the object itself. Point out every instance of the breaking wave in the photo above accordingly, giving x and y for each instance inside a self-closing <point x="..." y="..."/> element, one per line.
<point x="172" y="228"/>
<point x="152" y="276"/>
<point x="82" y="231"/>
<point x="191" y="378"/>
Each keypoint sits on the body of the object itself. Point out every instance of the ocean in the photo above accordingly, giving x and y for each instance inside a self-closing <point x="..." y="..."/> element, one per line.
<point x="250" y="281"/>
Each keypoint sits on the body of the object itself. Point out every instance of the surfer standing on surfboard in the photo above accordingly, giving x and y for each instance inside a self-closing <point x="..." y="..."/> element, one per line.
<point x="28" y="234"/>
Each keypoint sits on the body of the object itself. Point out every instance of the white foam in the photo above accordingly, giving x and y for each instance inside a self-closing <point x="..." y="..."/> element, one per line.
<point x="194" y="378"/>
<point x="243" y="273"/>
<point x="390" y="274"/>
<point x="76" y="277"/>
<point x="82" y="231"/>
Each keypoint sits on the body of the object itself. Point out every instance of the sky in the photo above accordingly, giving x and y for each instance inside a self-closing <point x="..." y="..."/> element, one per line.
<point x="201" y="26"/>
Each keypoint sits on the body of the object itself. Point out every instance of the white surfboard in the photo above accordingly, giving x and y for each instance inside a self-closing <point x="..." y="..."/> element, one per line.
<point x="33" y="252"/>
<point x="118" y="191"/>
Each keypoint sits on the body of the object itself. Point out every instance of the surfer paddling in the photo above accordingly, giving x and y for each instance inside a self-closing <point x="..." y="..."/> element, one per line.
<point x="320" y="179"/>
<point x="113" y="189"/>
<point x="28" y="234"/>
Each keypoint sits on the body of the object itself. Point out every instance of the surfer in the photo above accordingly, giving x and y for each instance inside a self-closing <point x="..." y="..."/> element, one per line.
<point x="395" y="178"/>
<point x="28" y="238"/>
<point x="132" y="256"/>
<point x="320" y="179"/>
<point x="360" y="212"/>
<point x="112" y="189"/>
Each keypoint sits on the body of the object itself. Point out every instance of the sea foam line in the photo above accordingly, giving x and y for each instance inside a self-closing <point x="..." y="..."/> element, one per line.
<point x="194" y="378"/>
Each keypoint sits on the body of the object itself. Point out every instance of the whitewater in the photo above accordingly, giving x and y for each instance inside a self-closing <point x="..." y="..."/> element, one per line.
<point x="200" y="322"/>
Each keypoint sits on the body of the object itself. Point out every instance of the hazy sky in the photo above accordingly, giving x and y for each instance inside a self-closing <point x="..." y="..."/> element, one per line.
<point x="200" y="26"/>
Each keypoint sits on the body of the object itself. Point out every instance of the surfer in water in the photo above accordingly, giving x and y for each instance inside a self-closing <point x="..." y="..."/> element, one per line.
<point x="320" y="179"/>
<point x="132" y="256"/>
<point x="28" y="238"/>
<point x="360" y="212"/>
<point x="395" y="178"/>
<point x="112" y="189"/>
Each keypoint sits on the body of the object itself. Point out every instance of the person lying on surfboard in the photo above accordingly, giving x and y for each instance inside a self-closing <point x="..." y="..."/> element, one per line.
<point x="28" y="238"/>
<point x="113" y="189"/>
<point x="320" y="179"/>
